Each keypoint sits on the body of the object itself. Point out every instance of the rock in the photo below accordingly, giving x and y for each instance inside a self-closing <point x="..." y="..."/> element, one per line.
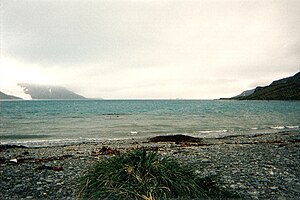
<point x="205" y="160"/>
<point x="18" y="185"/>
<point x="281" y="198"/>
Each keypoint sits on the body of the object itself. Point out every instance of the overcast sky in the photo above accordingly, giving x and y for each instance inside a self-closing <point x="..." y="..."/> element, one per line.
<point x="199" y="49"/>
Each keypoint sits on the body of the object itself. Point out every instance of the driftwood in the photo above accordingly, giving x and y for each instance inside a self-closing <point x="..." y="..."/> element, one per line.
<point x="105" y="151"/>
<point x="54" y="168"/>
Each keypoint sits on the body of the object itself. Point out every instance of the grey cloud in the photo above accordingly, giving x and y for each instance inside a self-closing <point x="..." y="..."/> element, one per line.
<point x="61" y="32"/>
<point x="117" y="46"/>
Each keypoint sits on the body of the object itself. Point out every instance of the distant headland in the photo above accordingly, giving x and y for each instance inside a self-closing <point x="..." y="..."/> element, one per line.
<point x="282" y="89"/>
<point x="6" y="96"/>
<point x="44" y="92"/>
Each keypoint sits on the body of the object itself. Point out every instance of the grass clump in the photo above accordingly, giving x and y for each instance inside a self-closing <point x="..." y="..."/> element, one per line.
<point x="145" y="175"/>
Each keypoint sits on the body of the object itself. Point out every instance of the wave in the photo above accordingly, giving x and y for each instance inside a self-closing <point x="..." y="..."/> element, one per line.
<point x="133" y="133"/>
<point x="213" y="131"/>
<point x="284" y="127"/>
<point x="292" y="127"/>
<point x="24" y="136"/>
<point x="277" y="127"/>
<point x="59" y="142"/>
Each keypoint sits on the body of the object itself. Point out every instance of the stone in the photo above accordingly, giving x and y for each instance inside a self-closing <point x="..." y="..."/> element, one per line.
<point x="281" y="198"/>
<point x="18" y="185"/>
<point x="205" y="160"/>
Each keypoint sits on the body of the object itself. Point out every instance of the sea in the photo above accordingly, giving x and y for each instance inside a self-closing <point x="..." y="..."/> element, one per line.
<point x="60" y="122"/>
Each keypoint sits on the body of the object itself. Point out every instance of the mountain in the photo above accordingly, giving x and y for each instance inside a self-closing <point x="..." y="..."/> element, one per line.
<point x="245" y="93"/>
<point x="48" y="92"/>
<point x="282" y="89"/>
<point x="6" y="96"/>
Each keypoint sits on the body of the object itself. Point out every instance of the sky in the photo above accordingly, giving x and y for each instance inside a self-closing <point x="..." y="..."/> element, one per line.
<point x="198" y="49"/>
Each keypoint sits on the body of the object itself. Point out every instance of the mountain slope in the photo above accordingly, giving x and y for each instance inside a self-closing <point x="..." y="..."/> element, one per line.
<point x="245" y="93"/>
<point x="283" y="89"/>
<point x="6" y="96"/>
<point x="48" y="92"/>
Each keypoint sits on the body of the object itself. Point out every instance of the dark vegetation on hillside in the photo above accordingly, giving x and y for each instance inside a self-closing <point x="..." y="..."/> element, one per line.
<point x="283" y="89"/>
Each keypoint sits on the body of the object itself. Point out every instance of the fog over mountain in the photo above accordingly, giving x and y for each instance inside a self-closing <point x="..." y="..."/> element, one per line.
<point x="197" y="49"/>
<point x="48" y="92"/>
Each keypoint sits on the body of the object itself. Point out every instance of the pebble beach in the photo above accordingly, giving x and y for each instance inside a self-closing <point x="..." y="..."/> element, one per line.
<point x="257" y="166"/>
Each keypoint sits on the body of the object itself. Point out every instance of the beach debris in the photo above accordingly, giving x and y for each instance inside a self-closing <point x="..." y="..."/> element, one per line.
<point x="54" y="168"/>
<point x="178" y="139"/>
<point x="14" y="160"/>
<point x="105" y="151"/>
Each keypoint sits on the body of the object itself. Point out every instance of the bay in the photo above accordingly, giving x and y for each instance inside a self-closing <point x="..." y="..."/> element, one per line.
<point x="54" y="122"/>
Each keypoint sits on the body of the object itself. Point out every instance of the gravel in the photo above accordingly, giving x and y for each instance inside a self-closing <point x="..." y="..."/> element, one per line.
<point x="257" y="166"/>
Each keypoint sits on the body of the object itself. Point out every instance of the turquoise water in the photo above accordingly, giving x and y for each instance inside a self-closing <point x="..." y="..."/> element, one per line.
<point x="62" y="121"/>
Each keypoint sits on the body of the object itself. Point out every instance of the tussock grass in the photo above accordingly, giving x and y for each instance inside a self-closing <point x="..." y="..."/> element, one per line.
<point x="145" y="175"/>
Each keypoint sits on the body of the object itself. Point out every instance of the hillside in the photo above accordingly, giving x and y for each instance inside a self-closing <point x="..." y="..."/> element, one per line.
<point x="48" y="92"/>
<point x="282" y="89"/>
<point x="245" y="93"/>
<point x="6" y="96"/>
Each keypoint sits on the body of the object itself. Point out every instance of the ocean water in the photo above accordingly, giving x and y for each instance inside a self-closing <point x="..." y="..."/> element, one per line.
<point x="55" y="122"/>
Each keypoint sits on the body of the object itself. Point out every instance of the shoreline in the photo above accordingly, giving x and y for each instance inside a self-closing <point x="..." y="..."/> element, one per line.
<point x="256" y="166"/>
<point x="217" y="134"/>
